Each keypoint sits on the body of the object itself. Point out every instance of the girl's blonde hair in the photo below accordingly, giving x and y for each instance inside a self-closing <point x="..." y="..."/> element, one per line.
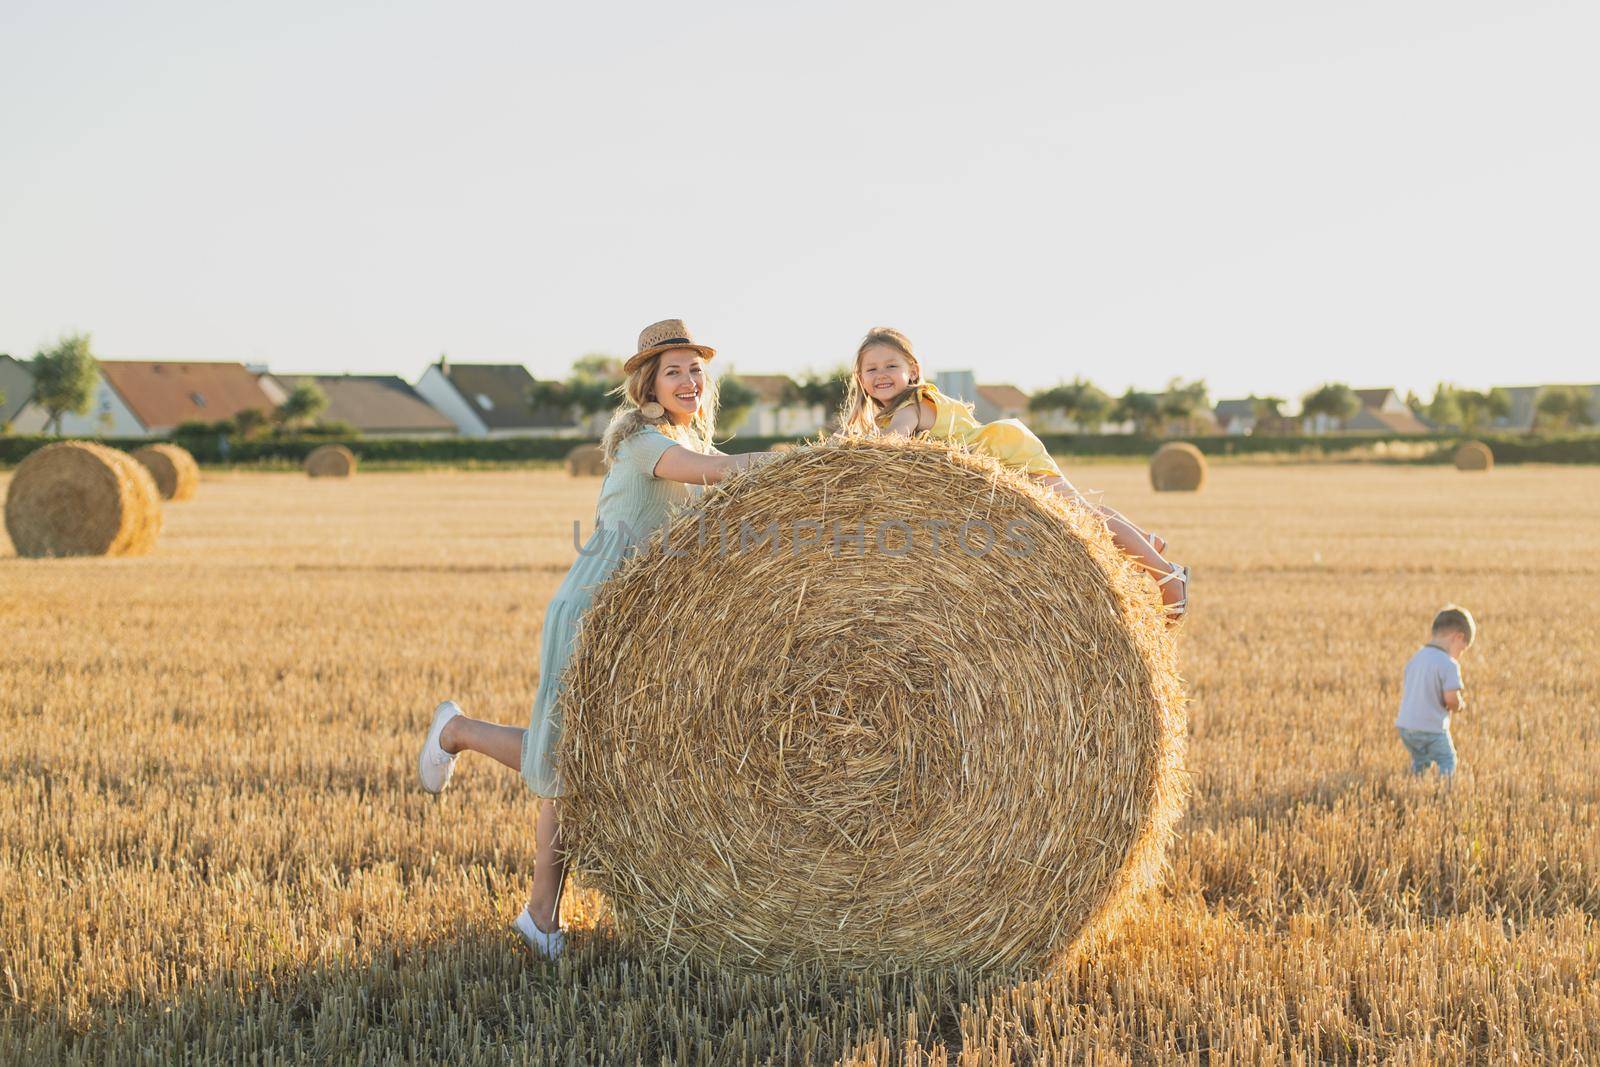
<point x="859" y="409"/>
<point x="639" y="389"/>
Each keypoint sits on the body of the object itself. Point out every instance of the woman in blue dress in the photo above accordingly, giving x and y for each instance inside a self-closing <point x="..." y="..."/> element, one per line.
<point x="660" y="453"/>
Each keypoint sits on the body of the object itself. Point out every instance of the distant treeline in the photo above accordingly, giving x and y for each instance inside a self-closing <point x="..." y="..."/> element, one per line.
<point x="466" y="451"/>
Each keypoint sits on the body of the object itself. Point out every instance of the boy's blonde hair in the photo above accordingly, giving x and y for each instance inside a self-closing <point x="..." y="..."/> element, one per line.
<point x="638" y="389"/>
<point x="859" y="409"/>
<point x="1457" y="620"/>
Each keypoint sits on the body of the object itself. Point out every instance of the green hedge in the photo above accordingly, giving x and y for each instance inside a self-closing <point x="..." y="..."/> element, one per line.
<point x="291" y="451"/>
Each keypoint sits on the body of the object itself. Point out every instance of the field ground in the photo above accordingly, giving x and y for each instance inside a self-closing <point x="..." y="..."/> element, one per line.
<point x="212" y="846"/>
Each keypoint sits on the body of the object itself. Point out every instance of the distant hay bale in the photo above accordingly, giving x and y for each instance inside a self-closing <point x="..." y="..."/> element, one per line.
<point x="586" y="461"/>
<point x="1177" y="466"/>
<point x="175" y="472"/>
<point x="876" y="703"/>
<point x="783" y="446"/>
<point x="79" y="499"/>
<point x="331" y="461"/>
<point x="1474" y="456"/>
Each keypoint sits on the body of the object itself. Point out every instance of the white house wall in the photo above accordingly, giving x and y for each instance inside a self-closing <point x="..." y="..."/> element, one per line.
<point x="108" y="416"/>
<point x="437" y="390"/>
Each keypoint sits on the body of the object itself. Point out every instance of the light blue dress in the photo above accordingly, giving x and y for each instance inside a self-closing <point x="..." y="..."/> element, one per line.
<point x="633" y="504"/>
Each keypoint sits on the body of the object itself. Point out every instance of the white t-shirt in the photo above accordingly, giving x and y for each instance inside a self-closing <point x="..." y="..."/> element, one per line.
<point x="1429" y="675"/>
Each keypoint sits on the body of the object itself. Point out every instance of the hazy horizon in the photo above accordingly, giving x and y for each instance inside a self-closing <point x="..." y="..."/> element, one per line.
<point x="1260" y="196"/>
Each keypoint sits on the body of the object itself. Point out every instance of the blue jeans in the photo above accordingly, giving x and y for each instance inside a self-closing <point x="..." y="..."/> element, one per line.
<point x="1427" y="747"/>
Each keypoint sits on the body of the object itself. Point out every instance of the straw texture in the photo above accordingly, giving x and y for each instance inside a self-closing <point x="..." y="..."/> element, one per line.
<point x="176" y="473"/>
<point x="873" y="754"/>
<point x="1474" y="456"/>
<point x="586" y="461"/>
<point x="331" y="461"/>
<point x="1177" y="467"/>
<point x="80" y="499"/>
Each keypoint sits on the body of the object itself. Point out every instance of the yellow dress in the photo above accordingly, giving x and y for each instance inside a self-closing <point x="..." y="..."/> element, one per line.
<point x="1007" y="440"/>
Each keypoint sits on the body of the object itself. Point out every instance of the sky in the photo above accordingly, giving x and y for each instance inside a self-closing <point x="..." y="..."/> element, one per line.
<point x="1265" y="195"/>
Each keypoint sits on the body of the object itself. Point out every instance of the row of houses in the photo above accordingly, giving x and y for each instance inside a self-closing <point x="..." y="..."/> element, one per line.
<point x="150" y="398"/>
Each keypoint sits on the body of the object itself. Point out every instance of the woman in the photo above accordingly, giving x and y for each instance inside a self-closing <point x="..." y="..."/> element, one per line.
<point x="659" y="449"/>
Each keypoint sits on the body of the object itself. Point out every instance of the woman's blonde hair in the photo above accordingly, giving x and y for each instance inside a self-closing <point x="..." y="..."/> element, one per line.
<point x="859" y="410"/>
<point x="639" y="389"/>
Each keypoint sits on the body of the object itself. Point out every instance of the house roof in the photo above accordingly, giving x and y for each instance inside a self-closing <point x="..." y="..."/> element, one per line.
<point x="1371" y="418"/>
<point x="498" y="394"/>
<point x="1236" y="409"/>
<point x="1373" y="398"/>
<point x="1004" y="397"/>
<point x="774" y="389"/>
<point x="373" y="403"/>
<point x="161" y="393"/>
<point x="16" y="387"/>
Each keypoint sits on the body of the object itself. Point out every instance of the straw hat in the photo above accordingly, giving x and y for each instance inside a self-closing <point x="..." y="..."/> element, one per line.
<point x="660" y="336"/>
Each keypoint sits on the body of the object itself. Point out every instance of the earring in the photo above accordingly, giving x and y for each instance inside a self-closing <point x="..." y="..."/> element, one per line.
<point x="652" y="410"/>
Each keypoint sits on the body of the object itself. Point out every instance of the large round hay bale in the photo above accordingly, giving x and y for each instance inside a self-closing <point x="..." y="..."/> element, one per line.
<point x="176" y="473"/>
<point x="1177" y="466"/>
<point x="79" y="499"/>
<point x="331" y="461"/>
<point x="586" y="461"/>
<point x="1474" y="456"/>
<point x="939" y="724"/>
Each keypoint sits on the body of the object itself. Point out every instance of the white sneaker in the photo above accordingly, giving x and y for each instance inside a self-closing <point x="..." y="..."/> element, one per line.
<point x="548" y="945"/>
<point x="435" y="765"/>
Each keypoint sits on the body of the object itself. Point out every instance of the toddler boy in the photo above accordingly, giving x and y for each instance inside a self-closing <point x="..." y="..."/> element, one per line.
<point x="1433" y="690"/>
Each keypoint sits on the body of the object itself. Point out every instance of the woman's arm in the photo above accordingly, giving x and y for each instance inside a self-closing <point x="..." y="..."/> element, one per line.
<point x="679" y="464"/>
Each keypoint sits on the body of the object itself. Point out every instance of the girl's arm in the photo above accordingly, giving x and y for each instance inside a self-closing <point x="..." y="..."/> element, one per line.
<point x="911" y="419"/>
<point x="679" y="464"/>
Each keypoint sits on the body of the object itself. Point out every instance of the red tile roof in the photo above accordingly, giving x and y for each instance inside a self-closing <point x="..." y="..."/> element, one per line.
<point x="161" y="394"/>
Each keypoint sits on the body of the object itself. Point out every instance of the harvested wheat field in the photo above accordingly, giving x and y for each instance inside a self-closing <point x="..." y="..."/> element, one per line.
<point x="212" y="845"/>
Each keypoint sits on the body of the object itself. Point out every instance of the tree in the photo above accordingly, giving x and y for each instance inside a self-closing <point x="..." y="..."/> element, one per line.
<point x="248" y="423"/>
<point x="1182" y="400"/>
<point x="1333" y="399"/>
<point x="64" y="378"/>
<point x="1445" y="408"/>
<point x="591" y="387"/>
<point x="1141" y="409"/>
<point x="734" y="401"/>
<point x="1562" y="407"/>
<point x="597" y="367"/>
<point x="825" y="389"/>
<point x="304" y="403"/>
<point x="1079" y="400"/>
<point x="1266" y="407"/>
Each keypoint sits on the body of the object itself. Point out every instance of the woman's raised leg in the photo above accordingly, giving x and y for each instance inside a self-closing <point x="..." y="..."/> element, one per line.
<point x="503" y="744"/>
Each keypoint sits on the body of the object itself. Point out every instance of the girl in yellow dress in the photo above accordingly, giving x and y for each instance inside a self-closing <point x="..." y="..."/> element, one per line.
<point x="888" y="395"/>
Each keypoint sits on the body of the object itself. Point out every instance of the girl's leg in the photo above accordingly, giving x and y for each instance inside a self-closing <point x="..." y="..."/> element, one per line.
<point x="549" y="870"/>
<point x="502" y="744"/>
<point x="1131" y="540"/>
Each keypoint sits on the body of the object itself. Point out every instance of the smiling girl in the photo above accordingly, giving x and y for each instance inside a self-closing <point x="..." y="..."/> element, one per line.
<point x="887" y="395"/>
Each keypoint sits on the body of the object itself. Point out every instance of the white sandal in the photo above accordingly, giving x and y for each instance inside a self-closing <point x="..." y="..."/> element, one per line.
<point x="549" y="945"/>
<point x="1175" y="611"/>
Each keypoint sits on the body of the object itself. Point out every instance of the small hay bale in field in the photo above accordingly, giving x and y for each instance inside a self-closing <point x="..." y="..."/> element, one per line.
<point x="1177" y="466"/>
<point x="783" y="446"/>
<point x="1474" y="456"/>
<point x="587" y="461"/>
<point x="877" y="703"/>
<point x="175" y="472"/>
<point x="331" y="461"/>
<point x="80" y="499"/>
